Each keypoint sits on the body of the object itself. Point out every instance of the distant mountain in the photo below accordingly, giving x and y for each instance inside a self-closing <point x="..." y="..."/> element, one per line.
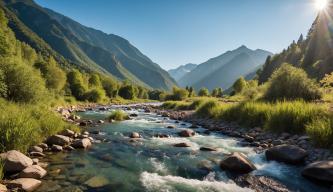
<point x="82" y="46"/>
<point x="224" y="69"/>
<point x="314" y="53"/>
<point x="182" y="70"/>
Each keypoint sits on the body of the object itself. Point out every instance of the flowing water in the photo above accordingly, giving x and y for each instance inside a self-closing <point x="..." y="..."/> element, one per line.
<point x="153" y="164"/>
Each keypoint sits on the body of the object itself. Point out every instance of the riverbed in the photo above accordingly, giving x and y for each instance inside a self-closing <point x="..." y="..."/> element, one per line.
<point x="117" y="163"/>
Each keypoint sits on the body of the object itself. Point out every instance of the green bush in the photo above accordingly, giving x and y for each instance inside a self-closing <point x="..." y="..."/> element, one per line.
<point x="217" y="92"/>
<point x="196" y="104"/>
<point x="76" y="84"/>
<point x="178" y="94"/>
<point x="291" y="83"/>
<point x="127" y="92"/>
<point x="176" y="105"/>
<point x="110" y="87"/>
<point x="95" y="95"/>
<point x="321" y="131"/>
<point x="239" y="85"/>
<point x="118" y="115"/>
<point x="210" y="109"/>
<point x="203" y="92"/>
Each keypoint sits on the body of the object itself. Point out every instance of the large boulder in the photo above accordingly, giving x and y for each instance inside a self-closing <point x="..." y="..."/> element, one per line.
<point x="36" y="149"/>
<point x="58" y="140"/>
<point x="186" y="133"/>
<point x="290" y="154"/>
<point x="3" y="188"/>
<point x="24" y="184"/>
<point x="319" y="171"/>
<point x="82" y="143"/>
<point x="237" y="162"/>
<point x="15" y="161"/>
<point x="33" y="171"/>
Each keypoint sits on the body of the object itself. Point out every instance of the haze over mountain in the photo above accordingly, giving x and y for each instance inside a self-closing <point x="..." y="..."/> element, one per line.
<point x="224" y="69"/>
<point x="81" y="46"/>
<point x="182" y="70"/>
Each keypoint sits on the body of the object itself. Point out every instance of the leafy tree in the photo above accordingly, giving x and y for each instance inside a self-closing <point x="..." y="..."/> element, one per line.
<point x="217" y="92"/>
<point x="142" y="93"/>
<point x="95" y="95"/>
<point x="203" y="92"/>
<point x="327" y="81"/>
<point x="127" y="92"/>
<point x="3" y="86"/>
<point x="76" y="84"/>
<point x="191" y="92"/>
<point x="110" y="87"/>
<point x="239" y="85"/>
<point x="291" y="83"/>
<point x="95" y="81"/>
<point x="155" y="94"/>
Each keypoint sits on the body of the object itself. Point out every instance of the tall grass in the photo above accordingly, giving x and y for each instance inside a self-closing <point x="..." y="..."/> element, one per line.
<point x="24" y="125"/>
<point x="211" y="109"/>
<point x="321" y="131"/>
<point x="2" y="172"/>
<point x="118" y="115"/>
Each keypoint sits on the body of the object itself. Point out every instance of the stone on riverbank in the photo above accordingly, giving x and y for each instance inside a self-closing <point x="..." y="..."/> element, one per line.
<point x="56" y="148"/>
<point x="97" y="182"/>
<point x="3" y="188"/>
<point x="237" y="162"/>
<point x="186" y="133"/>
<point x="82" y="143"/>
<point x="290" y="154"/>
<point x="33" y="171"/>
<point x="319" y="171"/>
<point x="68" y="133"/>
<point x="58" y="140"/>
<point x="36" y="149"/>
<point x="25" y="184"/>
<point x="15" y="161"/>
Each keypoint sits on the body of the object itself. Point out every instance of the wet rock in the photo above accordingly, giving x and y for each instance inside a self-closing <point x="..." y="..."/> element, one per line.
<point x="68" y="133"/>
<point x="133" y="115"/>
<point x="56" y="148"/>
<point x="25" y="184"/>
<point x="134" y="135"/>
<point x="3" y="188"/>
<point x="277" y="142"/>
<point x="69" y="148"/>
<point x="97" y="182"/>
<point x="186" y="133"/>
<point x="161" y="135"/>
<point x="58" y="140"/>
<point x="290" y="154"/>
<point x="319" y="171"/>
<point x="182" y="145"/>
<point x="51" y="186"/>
<point x="171" y="127"/>
<point x="83" y="123"/>
<point x="74" y="117"/>
<point x="37" y="154"/>
<point x="248" y="138"/>
<point x="33" y="171"/>
<point x="15" y="161"/>
<point x="205" y="165"/>
<point x="35" y="161"/>
<point x="36" y="149"/>
<point x="44" y="146"/>
<point x="207" y="149"/>
<point x="43" y="164"/>
<point x="237" y="162"/>
<point x="100" y="121"/>
<point x="82" y="143"/>
<point x="194" y="126"/>
<point x="260" y="183"/>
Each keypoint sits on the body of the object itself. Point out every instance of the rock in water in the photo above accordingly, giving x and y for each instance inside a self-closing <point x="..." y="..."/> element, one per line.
<point x="134" y="135"/>
<point x="15" y="161"/>
<point x="58" y="140"/>
<point x="237" y="162"/>
<point x="33" y="171"/>
<point x="97" y="182"/>
<point x="319" y="171"/>
<point x="186" y="133"/>
<point x="82" y="143"/>
<point x="290" y="154"/>
<point x="182" y="145"/>
<point x="56" y="148"/>
<point x="25" y="184"/>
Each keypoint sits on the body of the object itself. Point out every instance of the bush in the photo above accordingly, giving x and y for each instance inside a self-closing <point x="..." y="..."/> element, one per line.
<point x="291" y="83"/>
<point x="110" y="87"/>
<point x="95" y="95"/>
<point x="178" y="94"/>
<point x="196" y="104"/>
<point x="321" y="131"/>
<point x="127" y="92"/>
<point x="118" y="115"/>
<point x="217" y="92"/>
<point x="203" y="92"/>
<point x="76" y="84"/>
<point x="155" y="95"/>
<point x="239" y="85"/>
<point x="210" y="109"/>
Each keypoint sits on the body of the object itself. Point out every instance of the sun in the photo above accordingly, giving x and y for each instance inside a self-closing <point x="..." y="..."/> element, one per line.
<point x="321" y="4"/>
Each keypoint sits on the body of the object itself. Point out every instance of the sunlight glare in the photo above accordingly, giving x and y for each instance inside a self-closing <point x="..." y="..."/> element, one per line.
<point x="321" y="4"/>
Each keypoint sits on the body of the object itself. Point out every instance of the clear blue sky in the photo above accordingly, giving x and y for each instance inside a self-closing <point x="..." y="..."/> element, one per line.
<point x="176" y="32"/>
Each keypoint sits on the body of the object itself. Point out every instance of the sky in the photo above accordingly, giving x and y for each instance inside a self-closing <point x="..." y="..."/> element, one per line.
<point x="177" y="32"/>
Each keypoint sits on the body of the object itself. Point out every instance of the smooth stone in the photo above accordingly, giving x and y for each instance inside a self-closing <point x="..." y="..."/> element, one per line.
<point x="100" y="121"/>
<point x="36" y="149"/>
<point x="68" y="133"/>
<point x="171" y="127"/>
<point x="69" y="148"/>
<point x="25" y="184"/>
<point x="58" y="140"/>
<point x="33" y="171"/>
<point x="3" y="188"/>
<point x="44" y="146"/>
<point x="82" y="144"/>
<point x="97" y="182"/>
<point x="56" y="148"/>
<point x="182" y="145"/>
<point x="207" y="149"/>
<point x="319" y="171"/>
<point x="237" y="162"/>
<point x="135" y="135"/>
<point x="15" y="161"/>
<point x="35" y="161"/>
<point x="290" y="154"/>
<point x="37" y="154"/>
<point x="186" y="133"/>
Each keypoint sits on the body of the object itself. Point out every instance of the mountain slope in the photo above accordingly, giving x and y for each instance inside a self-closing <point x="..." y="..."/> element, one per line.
<point x="223" y="70"/>
<point x="314" y="54"/>
<point x="182" y="70"/>
<point x="90" y="48"/>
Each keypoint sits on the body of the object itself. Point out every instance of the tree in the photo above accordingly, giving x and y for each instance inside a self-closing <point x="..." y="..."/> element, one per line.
<point x="291" y="83"/>
<point x="178" y="94"/>
<point x="95" y="95"/>
<point x="203" y="92"/>
<point x="110" y="87"/>
<point x="239" y="85"/>
<point x="217" y="92"/>
<point x="327" y="81"/>
<point x="95" y="81"/>
<point x="76" y="84"/>
<point x="127" y="92"/>
<point x="155" y="94"/>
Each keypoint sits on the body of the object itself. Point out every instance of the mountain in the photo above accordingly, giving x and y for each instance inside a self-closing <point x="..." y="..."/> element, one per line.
<point x="182" y="70"/>
<point x="314" y="53"/>
<point x="224" y="69"/>
<point x="82" y="46"/>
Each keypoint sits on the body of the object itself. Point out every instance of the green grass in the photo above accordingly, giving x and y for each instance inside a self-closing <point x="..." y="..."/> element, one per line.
<point x="24" y="125"/>
<point x="118" y="115"/>
<point x="321" y="131"/>
<point x="2" y="172"/>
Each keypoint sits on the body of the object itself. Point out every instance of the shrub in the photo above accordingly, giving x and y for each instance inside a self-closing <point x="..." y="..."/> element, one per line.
<point x="127" y="92"/>
<point x="196" y="104"/>
<point x="95" y="95"/>
<point x="178" y="94"/>
<point x="76" y="84"/>
<point x="203" y="92"/>
<point x="321" y="131"/>
<point x="110" y="87"/>
<point x="239" y="85"/>
<point x="118" y="115"/>
<point x="217" y="92"/>
<point x="210" y="109"/>
<point x="291" y="83"/>
<point x="155" y="95"/>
